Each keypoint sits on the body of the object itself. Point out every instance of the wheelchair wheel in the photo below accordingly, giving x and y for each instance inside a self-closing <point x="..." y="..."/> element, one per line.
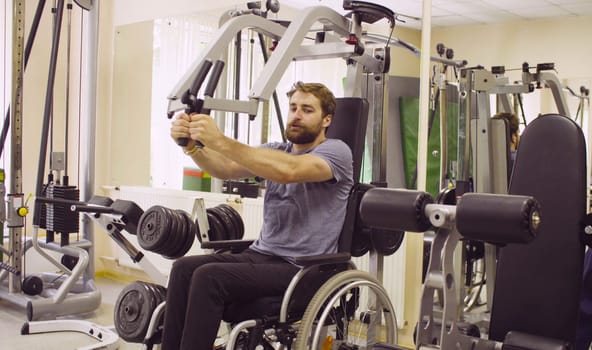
<point x="351" y="310"/>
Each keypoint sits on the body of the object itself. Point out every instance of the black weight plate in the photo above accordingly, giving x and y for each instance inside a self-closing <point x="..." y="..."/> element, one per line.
<point x="176" y="238"/>
<point x="32" y="285"/>
<point x="189" y="233"/>
<point x="132" y="312"/>
<point x="182" y="234"/>
<point x="386" y="242"/>
<point x="172" y="241"/>
<point x="160" y="293"/>
<point x="229" y="221"/>
<point x="153" y="228"/>
<point x="216" y="232"/>
<point x="226" y="221"/>
<point x="237" y="220"/>
<point x="186" y="236"/>
<point x="69" y="261"/>
<point x="360" y="244"/>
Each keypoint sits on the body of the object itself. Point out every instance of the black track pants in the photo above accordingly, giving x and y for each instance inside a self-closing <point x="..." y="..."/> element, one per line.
<point x="199" y="287"/>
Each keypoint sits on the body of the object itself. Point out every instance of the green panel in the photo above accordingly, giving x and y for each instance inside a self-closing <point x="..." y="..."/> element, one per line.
<point x="409" y="109"/>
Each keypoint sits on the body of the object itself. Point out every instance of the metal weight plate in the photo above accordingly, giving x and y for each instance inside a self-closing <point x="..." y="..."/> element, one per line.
<point x="386" y="242"/>
<point x="227" y="223"/>
<point x="185" y="234"/>
<point x="176" y="238"/>
<point x="176" y="235"/>
<point x="237" y="220"/>
<point x="153" y="228"/>
<point x="32" y="285"/>
<point x="69" y="261"/>
<point x="216" y="232"/>
<point x="360" y="244"/>
<point x="190" y="233"/>
<point x="133" y="311"/>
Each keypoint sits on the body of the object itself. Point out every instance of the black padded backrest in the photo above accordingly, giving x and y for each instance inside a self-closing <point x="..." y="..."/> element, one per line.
<point x="537" y="286"/>
<point x="349" y="125"/>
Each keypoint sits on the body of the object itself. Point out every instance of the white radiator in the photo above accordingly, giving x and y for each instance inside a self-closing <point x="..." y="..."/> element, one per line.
<point x="251" y="210"/>
<point x="393" y="278"/>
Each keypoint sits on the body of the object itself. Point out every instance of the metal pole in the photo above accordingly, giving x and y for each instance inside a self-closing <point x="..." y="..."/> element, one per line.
<point x="87" y="129"/>
<point x="16" y="159"/>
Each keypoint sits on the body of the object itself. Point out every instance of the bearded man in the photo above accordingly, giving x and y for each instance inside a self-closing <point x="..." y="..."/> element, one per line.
<point x="308" y="180"/>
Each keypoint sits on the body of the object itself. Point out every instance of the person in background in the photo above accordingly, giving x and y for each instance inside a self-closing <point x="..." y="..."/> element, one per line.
<point x="308" y="183"/>
<point x="514" y="127"/>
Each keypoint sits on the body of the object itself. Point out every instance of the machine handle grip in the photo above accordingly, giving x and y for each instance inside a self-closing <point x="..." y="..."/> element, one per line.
<point x="197" y="104"/>
<point x="190" y="97"/>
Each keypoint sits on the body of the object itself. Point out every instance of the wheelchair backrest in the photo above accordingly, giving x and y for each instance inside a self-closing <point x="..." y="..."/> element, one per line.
<point x="537" y="286"/>
<point x="349" y="125"/>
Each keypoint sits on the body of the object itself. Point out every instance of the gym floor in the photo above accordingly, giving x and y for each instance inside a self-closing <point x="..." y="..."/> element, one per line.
<point x="13" y="317"/>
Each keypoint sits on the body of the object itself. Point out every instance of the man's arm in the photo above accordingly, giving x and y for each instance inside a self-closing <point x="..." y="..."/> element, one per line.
<point x="217" y="164"/>
<point x="274" y="165"/>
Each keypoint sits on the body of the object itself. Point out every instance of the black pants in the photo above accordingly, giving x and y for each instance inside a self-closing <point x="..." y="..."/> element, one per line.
<point x="199" y="287"/>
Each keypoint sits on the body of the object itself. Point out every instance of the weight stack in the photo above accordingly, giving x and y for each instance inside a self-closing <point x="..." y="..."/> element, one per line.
<point x="57" y="217"/>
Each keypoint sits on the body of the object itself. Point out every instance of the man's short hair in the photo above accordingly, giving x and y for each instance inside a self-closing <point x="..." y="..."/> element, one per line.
<point x="320" y="91"/>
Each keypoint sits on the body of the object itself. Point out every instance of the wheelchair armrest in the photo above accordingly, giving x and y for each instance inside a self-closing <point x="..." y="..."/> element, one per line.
<point x="233" y="245"/>
<point x="335" y="258"/>
<point x="524" y="341"/>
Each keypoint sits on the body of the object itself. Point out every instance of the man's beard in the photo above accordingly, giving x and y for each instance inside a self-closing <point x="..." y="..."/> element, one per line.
<point x="303" y="135"/>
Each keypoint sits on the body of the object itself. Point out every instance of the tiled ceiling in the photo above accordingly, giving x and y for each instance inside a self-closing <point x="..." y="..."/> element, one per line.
<point x="460" y="12"/>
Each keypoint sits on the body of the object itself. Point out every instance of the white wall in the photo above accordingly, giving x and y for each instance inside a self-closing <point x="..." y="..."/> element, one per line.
<point x="565" y="41"/>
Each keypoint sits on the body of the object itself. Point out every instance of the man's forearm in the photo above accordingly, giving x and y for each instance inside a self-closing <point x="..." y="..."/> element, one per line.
<point x="217" y="164"/>
<point x="267" y="163"/>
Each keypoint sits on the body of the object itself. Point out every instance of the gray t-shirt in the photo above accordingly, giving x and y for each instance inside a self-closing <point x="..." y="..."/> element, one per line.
<point x="305" y="219"/>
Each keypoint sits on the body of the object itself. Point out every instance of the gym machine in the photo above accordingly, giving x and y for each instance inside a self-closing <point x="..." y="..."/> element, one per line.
<point x="339" y="37"/>
<point x="540" y="263"/>
<point x="72" y="291"/>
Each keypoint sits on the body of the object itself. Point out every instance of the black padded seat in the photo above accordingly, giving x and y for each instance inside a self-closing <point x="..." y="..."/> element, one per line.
<point x="349" y="125"/>
<point x="537" y="286"/>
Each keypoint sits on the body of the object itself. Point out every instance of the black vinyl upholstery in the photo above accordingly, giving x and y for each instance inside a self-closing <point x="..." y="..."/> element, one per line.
<point x="537" y="286"/>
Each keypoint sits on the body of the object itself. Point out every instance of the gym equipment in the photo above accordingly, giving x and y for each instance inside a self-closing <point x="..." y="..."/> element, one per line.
<point x="165" y="231"/>
<point x="338" y="28"/>
<point x="473" y="211"/>
<point x="134" y="307"/>
<point x="32" y="285"/>
<point x="171" y="232"/>
<point x="543" y="255"/>
<point x="72" y="291"/>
